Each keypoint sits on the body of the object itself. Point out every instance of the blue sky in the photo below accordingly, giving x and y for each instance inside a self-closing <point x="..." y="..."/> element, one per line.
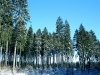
<point x="44" y="13"/>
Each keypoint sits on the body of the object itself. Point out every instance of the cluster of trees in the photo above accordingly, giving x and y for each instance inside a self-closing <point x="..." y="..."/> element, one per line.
<point x="15" y="40"/>
<point x="13" y="18"/>
<point x="87" y="45"/>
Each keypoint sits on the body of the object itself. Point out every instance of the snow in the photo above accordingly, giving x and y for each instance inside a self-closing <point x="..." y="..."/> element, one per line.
<point x="7" y="71"/>
<point x="51" y="72"/>
<point x="10" y="73"/>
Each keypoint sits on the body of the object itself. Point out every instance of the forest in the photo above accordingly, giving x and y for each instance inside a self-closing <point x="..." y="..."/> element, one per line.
<point x="21" y="47"/>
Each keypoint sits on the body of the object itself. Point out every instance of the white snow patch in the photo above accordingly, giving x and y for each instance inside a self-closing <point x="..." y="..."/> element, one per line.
<point x="9" y="72"/>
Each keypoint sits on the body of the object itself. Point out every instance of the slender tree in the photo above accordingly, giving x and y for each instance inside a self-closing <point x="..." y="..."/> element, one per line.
<point x="68" y="47"/>
<point x="1" y="31"/>
<point x="21" y="16"/>
<point x="38" y="46"/>
<point x="45" y="38"/>
<point x="29" y="43"/>
<point x="59" y="26"/>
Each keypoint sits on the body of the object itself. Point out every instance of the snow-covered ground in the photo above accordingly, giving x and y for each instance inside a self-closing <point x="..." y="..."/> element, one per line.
<point x="51" y="72"/>
<point x="10" y="72"/>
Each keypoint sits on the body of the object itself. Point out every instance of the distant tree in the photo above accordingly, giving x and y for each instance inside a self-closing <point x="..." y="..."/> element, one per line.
<point x="93" y="44"/>
<point x="50" y="47"/>
<point x="29" y="43"/>
<point x="75" y="40"/>
<point x="54" y="48"/>
<point x="68" y="46"/>
<point x="97" y="52"/>
<point x="59" y="26"/>
<point x="38" y="46"/>
<point x="34" y="51"/>
<point x="45" y="44"/>
<point x="81" y="44"/>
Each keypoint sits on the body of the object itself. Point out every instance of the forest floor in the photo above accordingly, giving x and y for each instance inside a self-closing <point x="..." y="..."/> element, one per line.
<point x="8" y="71"/>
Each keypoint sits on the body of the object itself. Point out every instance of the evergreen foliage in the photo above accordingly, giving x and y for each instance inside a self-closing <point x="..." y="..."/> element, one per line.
<point x="42" y="49"/>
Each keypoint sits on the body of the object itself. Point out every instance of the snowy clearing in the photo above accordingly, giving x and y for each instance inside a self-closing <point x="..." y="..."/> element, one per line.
<point x="51" y="72"/>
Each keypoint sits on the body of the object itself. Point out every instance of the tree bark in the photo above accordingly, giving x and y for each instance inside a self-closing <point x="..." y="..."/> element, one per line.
<point x="20" y="57"/>
<point x="6" y="56"/>
<point x="62" y="59"/>
<point x="1" y="57"/>
<point x="42" y="62"/>
<point x="36" y="60"/>
<point x="47" y="65"/>
<point x="53" y="60"/>
<point x="14" y="56"/>
<point x="50" y="60"/>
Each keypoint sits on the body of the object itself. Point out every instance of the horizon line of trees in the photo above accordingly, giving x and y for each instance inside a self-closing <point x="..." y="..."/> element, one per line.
<point x="15" y="40"/>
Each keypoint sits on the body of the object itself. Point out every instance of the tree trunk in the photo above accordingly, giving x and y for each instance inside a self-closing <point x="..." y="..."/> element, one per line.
<point x="83" y="60"/>
<point x="47" y="60"/>
<point x="57" y="60"/>
<point x="50" y="61"/>
<point x="62" y="60"/>
<point x="67" y="61"/>
<point x="14" y="56"/>
<point x="36" y="61"/>
<point x="84" y="63"/>
<point x="6" y="56"/>
<point x="42" y="62"/>
<point x="53" y="60"/>
<point x="20" y="57"/>
<point x="1" y="57"/>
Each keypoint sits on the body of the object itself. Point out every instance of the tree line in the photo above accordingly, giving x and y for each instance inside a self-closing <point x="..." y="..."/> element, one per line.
<point x="16" y="39"/>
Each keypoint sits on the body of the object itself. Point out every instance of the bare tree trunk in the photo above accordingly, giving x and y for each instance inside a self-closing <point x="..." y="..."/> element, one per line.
<point x="47" y="65"/>
<point x="14" y="56"/>
<point x="57" y="60"/>
<point x="36" y="60"/>
<point x="16" y="60"/>
<point x="66" y="60"/>
<point x="6" y="56"/>
<point x="62" y="59"/>
<point x="42" y="62"/>
<point x="1" y="57"/>
<point x="53" y="60"/>
<point x="20" y="57"/>
<point x="50" y="60"/>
